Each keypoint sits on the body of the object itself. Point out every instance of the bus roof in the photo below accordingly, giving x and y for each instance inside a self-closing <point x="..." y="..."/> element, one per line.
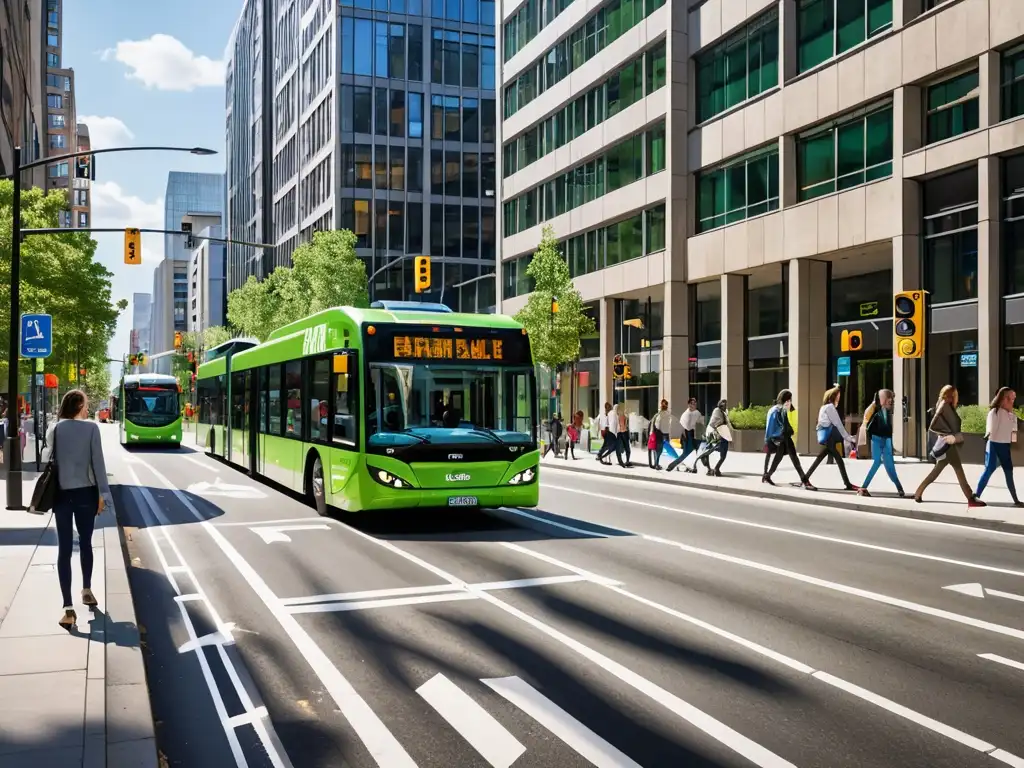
<point x="352" y="317"/>
<point x="151" y="379"/>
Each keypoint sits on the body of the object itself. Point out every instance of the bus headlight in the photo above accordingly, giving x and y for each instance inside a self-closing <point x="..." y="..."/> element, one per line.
<point x="384" y="477"/>
<point x="525" y="477"/>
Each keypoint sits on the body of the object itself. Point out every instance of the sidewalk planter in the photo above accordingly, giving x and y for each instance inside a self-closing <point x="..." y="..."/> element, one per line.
<point x="747" y="440"/>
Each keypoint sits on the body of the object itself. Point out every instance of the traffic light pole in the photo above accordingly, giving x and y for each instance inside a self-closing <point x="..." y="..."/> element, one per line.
<point x="12" y="440"/>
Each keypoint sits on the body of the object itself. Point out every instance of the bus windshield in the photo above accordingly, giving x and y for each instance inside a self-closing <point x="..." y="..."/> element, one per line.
<point x="151" y="406"/>
<point x="442" y="403"/>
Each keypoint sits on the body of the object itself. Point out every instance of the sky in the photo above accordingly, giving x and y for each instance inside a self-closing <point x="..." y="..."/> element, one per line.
<point x="146" y="73"/>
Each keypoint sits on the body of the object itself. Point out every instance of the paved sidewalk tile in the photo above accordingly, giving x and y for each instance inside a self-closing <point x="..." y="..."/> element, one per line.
<point x="41" y="709"/>
<point x="47" y="653"/>
<point x="61" y="757"/>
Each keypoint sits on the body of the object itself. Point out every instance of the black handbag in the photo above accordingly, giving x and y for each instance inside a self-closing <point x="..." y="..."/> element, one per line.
<point x="45" y="493"/>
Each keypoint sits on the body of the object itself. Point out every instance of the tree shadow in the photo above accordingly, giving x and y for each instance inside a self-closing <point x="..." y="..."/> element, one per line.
<point x="129" y="506"/>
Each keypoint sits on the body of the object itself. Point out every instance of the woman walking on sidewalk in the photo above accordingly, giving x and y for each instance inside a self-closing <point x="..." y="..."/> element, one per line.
<point x="82" y="493"/>
<point x="830" y="432"/>
<point x="661" y="424"/>
<point x="622" y="435"/>
<point x="946" y="450"/>
<point x="716" y="438"/>
<point x="778" y="440"/>
<point x="878" y="426"/>
<point x="607" y="425"/>
<point x="1001" y="431"/>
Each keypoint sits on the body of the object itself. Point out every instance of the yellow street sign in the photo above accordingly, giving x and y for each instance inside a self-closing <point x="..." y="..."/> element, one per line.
<point x="132" y="246"/>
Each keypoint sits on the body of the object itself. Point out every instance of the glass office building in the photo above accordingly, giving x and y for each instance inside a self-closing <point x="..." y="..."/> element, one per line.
<point x="384" y="122"/>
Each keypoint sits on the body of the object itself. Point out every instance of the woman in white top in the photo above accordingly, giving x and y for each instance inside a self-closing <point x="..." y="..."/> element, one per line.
<point x="690" y="421"/>
<point x="1001" y="431"/>
<point x="830" y="432"/>
<point x="661" y="424"/>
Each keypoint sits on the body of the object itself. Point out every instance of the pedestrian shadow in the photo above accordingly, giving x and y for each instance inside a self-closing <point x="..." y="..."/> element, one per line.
<point x="104" y="629"/>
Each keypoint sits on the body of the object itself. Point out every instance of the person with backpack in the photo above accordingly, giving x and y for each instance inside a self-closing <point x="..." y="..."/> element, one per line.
<point x="878" y="420"/>
<point x="778" y="440"/>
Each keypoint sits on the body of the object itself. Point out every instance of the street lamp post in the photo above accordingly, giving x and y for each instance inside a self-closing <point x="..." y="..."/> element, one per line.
<point x="12" y="444"/>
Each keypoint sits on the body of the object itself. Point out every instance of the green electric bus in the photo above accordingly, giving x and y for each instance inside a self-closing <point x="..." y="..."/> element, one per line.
<point x="398" y="406"/>
<point x="149" y="409"/>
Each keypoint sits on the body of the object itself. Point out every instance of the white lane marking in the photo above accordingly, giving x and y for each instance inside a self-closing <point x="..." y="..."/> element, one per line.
<point x="799" y="666"/>
<point x="977" y="590"/>
<point x="563" y="526"/>
<point x="1002" y="660"/>
<point x="915" y="717"/>
<point x="216" y="637"/>
<point x="698" y="718"/>
<point x="213" y="468"/>
<point x="277" y="533"/>
<point x="279" y="521"/>
<point x="264" y="727"/>
<point x="248" y="718"/>
<point x="391" y="602"/>
<point x="873" y="517"/>
<point x="218" y="488"/>
<point x="485" y="734"/>
<point x="152" y="513"/>
<point x="414" y="596"/>
<point x="1005" y="757"/>
<point x="587" y="575"/>
<point x="575" y="734"/>
<point x="368" y="594"/>
<point x="378" y="740"/>
<point x="780" y="529"/>
<point x="836" y="587"/>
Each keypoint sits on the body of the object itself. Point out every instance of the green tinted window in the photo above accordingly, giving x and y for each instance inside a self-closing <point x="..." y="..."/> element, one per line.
<point x="826" y="28"/>
<point x="845" y="154"/>
<point x="952" y="107"/>
<point x="1012" y="83"/>
<point x="740" y="68"/>
<point x="744" y="188"/>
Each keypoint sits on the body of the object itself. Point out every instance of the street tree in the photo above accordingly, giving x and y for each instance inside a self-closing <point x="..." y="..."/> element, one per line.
<point x="59" y="276"/>
<point x="325" y="273"/>
<point x="216" y="335"/>
<point x="554" y="336"/>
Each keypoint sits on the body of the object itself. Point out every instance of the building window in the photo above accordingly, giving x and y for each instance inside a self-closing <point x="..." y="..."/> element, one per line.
<point x="52" y="40"/>
<point x="745" y="188"/>
<point x="58" y="141"/>
<point x="53" y="60"/>
<point x="741" y="67"/>
<point x="54" y="101"/>
<point x="83" y="219"/>
<point x="951" y="237"/>
<point x="851" y="151"/>
<point x="826" y="28"/>
<point x="1012" y="83"/>
<point x="58" y="170"/>
<point x="952" y="107"/>
<point x="1013" y="228"/>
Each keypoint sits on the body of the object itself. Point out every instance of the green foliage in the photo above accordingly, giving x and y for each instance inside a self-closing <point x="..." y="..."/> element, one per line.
<point x="59" y="276"/>
<point x="215" y="336"/>
<point x="325" y="273"/>
<point x="554" y="338"/>
<point x="972" y="418"/>
<point x="751" y="417"/>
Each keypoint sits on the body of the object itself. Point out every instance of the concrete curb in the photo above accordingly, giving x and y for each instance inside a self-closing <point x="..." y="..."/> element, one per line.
<point x="130" y="735"/>
<point x="812" y="498"/>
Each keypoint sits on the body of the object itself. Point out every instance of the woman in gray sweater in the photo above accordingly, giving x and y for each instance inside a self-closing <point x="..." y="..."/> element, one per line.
<point x="83" y="492"/>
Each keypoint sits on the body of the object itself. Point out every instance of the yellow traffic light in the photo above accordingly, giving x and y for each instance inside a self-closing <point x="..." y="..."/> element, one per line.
<point x="177" y="339"/>
<point x="627" y="372"/>
<point x="132" y="246"/>
<point x="851" y="341"/>
<point x="422" y="273"/>
<point x="909" y="324"/>
<point x="554" y="305"/>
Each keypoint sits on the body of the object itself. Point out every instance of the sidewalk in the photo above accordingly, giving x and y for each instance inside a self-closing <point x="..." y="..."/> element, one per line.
<point x="741" y="475"/>
<point x="68" y="699"/>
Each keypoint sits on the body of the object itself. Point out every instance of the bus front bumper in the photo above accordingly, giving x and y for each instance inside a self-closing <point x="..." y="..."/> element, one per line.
<point x="462" y="498"/>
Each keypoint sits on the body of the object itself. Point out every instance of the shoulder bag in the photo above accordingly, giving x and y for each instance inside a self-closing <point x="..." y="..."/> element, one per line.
<point x="45" y="493"/>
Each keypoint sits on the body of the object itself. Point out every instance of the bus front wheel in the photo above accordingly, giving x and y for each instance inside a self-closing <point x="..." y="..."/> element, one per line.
<point x="315" y="484"/>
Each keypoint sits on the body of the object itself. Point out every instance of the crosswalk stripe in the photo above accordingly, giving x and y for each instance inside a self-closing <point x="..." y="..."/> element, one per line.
<point x="485" y="734"/>
<point x="567" y="728"/>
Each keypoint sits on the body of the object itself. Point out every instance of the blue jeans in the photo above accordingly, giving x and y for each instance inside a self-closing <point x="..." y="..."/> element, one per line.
<point x="881" y="452"/>
<point x="78" y="505"/>
<point x="997" y="454"/>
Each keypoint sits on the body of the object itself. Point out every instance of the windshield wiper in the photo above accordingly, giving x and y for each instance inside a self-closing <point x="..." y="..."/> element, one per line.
<point x="489" y="432"/>
<point x="421" y="438"/>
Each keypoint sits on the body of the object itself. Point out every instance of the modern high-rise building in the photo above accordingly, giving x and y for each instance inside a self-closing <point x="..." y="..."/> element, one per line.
<point x="393" y="138"/>
<point x="207" y="295"/>
<point x="188" y="194"/>
<point x="141" y="315"/>
<point x="22" y="108"/>
<point x="64" y="134"/>
<point x="735" y="184"/>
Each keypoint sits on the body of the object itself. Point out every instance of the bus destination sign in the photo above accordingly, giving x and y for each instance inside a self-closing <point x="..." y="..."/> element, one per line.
<point x="448" y="348"/>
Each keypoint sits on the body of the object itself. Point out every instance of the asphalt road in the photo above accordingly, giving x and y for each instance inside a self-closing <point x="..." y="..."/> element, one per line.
<point x="620" y="624"/>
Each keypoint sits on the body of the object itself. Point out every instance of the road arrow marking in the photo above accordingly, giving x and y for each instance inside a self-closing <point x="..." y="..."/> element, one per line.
<point x="272" y="533"/>
<point x="217" y="488"/>
<point x="976" y="590"/>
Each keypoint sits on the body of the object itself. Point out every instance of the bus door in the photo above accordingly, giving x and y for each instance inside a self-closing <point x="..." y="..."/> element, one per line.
<point x="243" y="440"/>
<point x="251" y="416"/>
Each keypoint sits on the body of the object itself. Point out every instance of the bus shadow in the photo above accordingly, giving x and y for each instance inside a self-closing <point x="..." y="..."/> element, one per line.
<point x="168" y="449"/>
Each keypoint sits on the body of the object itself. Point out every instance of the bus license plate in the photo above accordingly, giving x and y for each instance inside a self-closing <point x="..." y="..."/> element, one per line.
<point x="462" y="501"/>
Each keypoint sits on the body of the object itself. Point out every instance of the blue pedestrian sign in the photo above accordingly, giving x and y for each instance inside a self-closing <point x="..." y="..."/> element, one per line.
<point x="36" y="335"/>
<point x="843" y="366"/>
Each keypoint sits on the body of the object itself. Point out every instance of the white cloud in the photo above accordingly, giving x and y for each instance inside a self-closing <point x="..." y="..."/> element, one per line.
<point x="107" y="132"/>
<point x="166" y="64"/>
